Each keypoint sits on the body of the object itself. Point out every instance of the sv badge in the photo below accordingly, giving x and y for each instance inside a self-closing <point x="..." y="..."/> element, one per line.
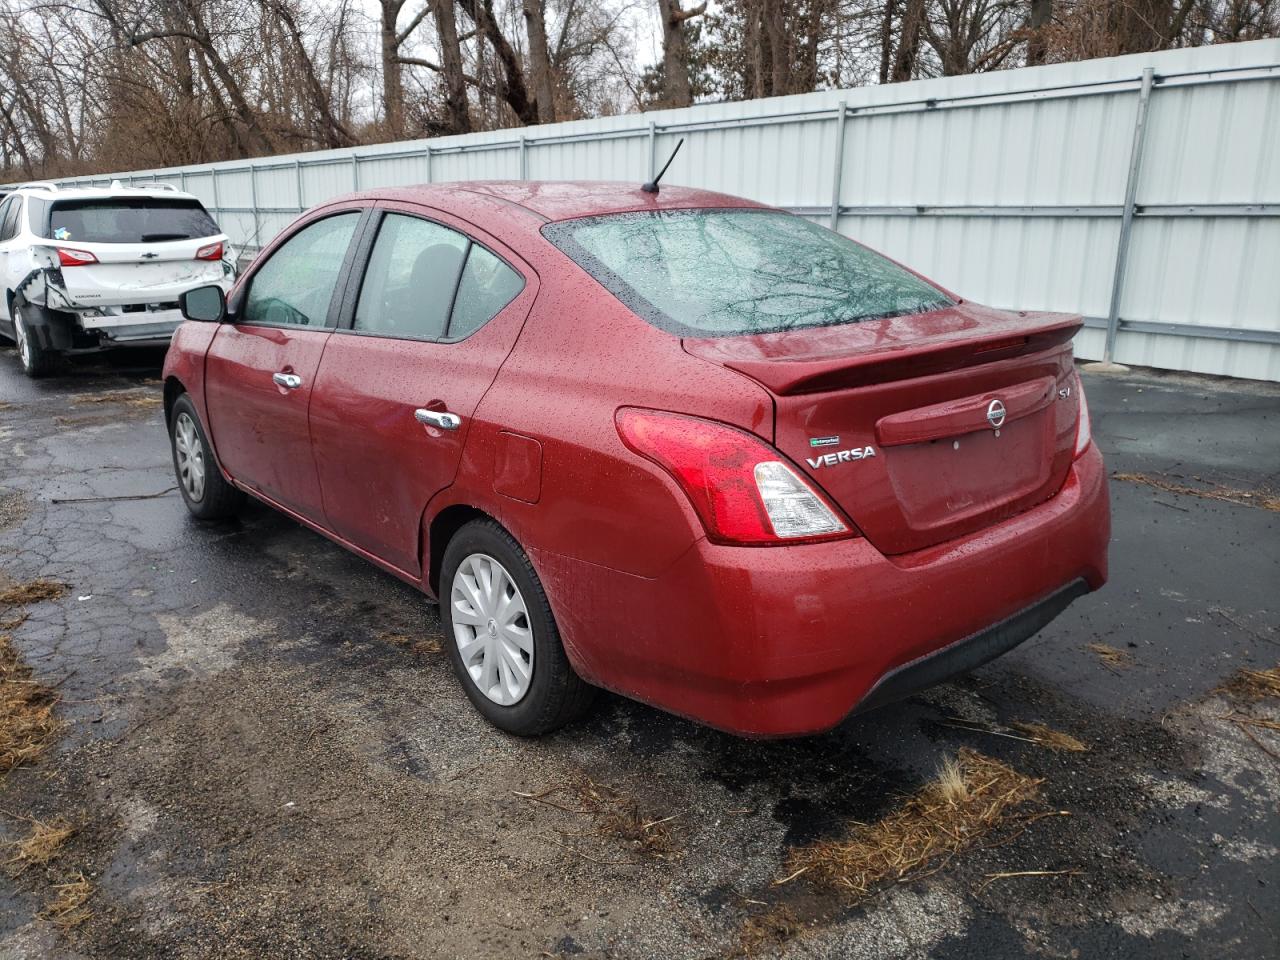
<point x="841" y="456"/>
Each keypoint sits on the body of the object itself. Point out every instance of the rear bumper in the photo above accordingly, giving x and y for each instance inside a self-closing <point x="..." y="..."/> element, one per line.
<point x="62" y="332"/>
<point x="791" y="640"/>
<point x="971" y="652"/>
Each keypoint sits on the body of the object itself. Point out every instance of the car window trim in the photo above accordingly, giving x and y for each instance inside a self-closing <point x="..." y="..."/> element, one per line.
<point x="339" y="287"/>
<point x="360" y="267"/>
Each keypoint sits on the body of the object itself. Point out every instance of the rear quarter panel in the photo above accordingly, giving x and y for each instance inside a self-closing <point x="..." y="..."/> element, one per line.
<point x="580" y="357"/>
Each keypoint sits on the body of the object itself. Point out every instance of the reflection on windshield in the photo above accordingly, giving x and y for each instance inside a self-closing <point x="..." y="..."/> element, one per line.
<point x="725" y="272"/>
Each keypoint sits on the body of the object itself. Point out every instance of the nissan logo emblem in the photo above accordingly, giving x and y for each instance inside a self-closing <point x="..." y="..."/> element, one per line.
<point x="995" y="414"/>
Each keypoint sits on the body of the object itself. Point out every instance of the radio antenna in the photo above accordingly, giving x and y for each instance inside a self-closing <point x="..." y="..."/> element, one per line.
<point x="652" y="185"/>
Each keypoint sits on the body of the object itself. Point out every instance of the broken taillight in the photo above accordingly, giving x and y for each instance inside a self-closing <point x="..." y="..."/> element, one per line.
<point x="75" y="258"/>
<point x="212" y="252"/>
<point x="742" y="489"/>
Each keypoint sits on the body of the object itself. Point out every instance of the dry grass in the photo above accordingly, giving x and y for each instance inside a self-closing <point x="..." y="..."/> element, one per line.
<point x="1253" y="685"/>
<point x="422" y="646"/>
<point x="1053" y="739"/>
<point x="1242" y="497"/>
<point x="31" y="592"/>
<point x="621" y="818"/>
<point x="766" y="932"/>
<point x="972" y="796"/>
<point x="618" y="817"/>
<point x="1110" y="656"/>
<point x="41" y="845"/>
<point x="13" y="623"/>
<point x="27" y="724"/>
<point x="130" y="398"/>
<point x="67" y="908"/>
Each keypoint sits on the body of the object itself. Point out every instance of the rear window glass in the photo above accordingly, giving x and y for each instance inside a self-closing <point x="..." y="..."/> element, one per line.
<point x="130" y="220"/>
<point x="714" y="273"/>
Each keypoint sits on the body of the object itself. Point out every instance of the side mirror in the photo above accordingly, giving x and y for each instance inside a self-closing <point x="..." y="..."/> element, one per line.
<point x="206" y="304"/>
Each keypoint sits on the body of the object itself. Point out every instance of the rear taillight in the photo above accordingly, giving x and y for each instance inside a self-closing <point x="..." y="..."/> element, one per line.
<point x="75" y="258"/>
<point x="212" y="252"/>
<point x="742" y="489"/>
<point x="1084" y="429"/>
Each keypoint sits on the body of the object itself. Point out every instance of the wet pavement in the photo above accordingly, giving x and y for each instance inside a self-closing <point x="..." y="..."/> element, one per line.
<point x="266" y="754"/>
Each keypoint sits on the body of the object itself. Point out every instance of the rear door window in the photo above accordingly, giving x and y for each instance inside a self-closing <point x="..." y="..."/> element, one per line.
<point x="295" y="286"/>
<point x="428" y="282"/>
<point x="130" y="220"/>
<point x="9" y="214"/>
<point x="412" y="276"/>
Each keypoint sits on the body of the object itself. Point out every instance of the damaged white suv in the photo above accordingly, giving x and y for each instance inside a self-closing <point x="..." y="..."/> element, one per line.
<point x="86" y="269"/>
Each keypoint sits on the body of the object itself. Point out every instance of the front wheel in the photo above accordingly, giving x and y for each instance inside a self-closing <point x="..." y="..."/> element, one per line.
<point x="208" y="494"/>
<point x="503" y="641"/>
<point x="36" y="360"/>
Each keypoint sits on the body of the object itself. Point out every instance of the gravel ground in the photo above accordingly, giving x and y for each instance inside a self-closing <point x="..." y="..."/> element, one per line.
<point x="266" y="755"/>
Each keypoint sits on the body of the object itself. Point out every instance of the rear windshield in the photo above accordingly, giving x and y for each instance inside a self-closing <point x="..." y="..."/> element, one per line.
<point x="716" y="273"/>
<point x="130" y="220"/>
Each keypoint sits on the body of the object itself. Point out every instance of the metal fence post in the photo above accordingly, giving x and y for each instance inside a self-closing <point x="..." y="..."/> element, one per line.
<point x="428" y="156"/>
<point x="213" y="175"/>
<point x="524" y="160"/>
<point x="355" y="172"/>
<point x="838" y="170"/>
<point x="253" y="201"/>
<point x="297" y="183"/>
<point x="653" y="146"/>
<point x="1126" y="221"/>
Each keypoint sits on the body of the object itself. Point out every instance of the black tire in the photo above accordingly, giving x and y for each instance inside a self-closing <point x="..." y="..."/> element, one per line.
<point x="555" y="694"/>
<point x="217" y="499"/>
<point x="36" y="361"/>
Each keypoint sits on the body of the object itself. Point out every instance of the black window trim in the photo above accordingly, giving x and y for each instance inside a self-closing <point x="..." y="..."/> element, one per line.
<point x="339" y="288"/>
<point x="360" y="266"/>
<point x="559" y="234"/>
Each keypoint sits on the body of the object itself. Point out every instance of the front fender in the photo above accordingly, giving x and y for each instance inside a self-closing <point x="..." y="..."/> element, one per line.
<point x="184" y="366"/>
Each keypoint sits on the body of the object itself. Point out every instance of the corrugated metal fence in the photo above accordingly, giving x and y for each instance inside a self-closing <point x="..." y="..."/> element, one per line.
<point x="1142" y="191"/>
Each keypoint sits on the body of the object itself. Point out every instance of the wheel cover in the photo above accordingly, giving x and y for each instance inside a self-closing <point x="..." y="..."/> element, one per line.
<point x="20" y="334"/>
<point x="491" y="628"/>
<point x="190" y="452"/>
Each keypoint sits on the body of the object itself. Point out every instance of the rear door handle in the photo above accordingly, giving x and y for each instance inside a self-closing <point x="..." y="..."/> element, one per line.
<point x="445" y="421"/>
<point x="290" y="381"/>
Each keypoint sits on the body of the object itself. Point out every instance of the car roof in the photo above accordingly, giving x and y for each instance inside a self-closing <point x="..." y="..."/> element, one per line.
<point x="549" y="200"/>
<point x="51" y="191"/>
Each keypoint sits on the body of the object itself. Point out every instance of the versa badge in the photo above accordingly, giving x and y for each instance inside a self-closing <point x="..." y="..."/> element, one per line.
<point x="841" y="456"/>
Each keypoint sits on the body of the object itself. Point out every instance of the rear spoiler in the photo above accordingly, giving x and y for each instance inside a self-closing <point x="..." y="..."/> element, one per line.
<point x="877" y="351"/>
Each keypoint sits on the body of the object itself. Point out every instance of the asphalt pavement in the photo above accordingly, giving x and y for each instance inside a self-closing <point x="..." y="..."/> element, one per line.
<point x="266" y="755"/>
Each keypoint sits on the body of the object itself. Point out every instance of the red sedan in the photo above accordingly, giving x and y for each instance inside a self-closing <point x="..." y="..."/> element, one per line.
<point x="679" y="445"/>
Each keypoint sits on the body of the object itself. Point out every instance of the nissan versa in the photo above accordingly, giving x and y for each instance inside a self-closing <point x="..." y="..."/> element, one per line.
<point x="679" y="445"/>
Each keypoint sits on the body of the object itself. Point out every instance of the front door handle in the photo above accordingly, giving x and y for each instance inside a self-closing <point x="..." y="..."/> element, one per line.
<point x="445" y="421"/>
<point x="290" y="381"/>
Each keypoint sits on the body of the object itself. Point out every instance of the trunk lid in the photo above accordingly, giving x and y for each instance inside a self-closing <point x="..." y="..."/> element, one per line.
<point x="894" y="418"/>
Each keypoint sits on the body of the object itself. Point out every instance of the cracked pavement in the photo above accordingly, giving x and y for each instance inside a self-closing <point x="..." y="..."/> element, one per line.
<point x="266" y="754"/>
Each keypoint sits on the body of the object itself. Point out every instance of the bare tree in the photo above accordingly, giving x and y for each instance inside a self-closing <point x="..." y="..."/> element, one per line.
<point x="540" y="60"/>
<point x="676" y="90"/>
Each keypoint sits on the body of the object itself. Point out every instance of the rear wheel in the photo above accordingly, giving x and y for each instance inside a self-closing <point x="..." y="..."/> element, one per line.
<point x="205" y="490"/>
<point x="502" y="638"/>
<point x="36" y="360"/>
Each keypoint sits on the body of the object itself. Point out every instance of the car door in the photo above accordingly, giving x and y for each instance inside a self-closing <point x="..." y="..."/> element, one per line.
<point x="260" y="369"/>
<point x="437" y="310"/>
<point x="10" y="214"/>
